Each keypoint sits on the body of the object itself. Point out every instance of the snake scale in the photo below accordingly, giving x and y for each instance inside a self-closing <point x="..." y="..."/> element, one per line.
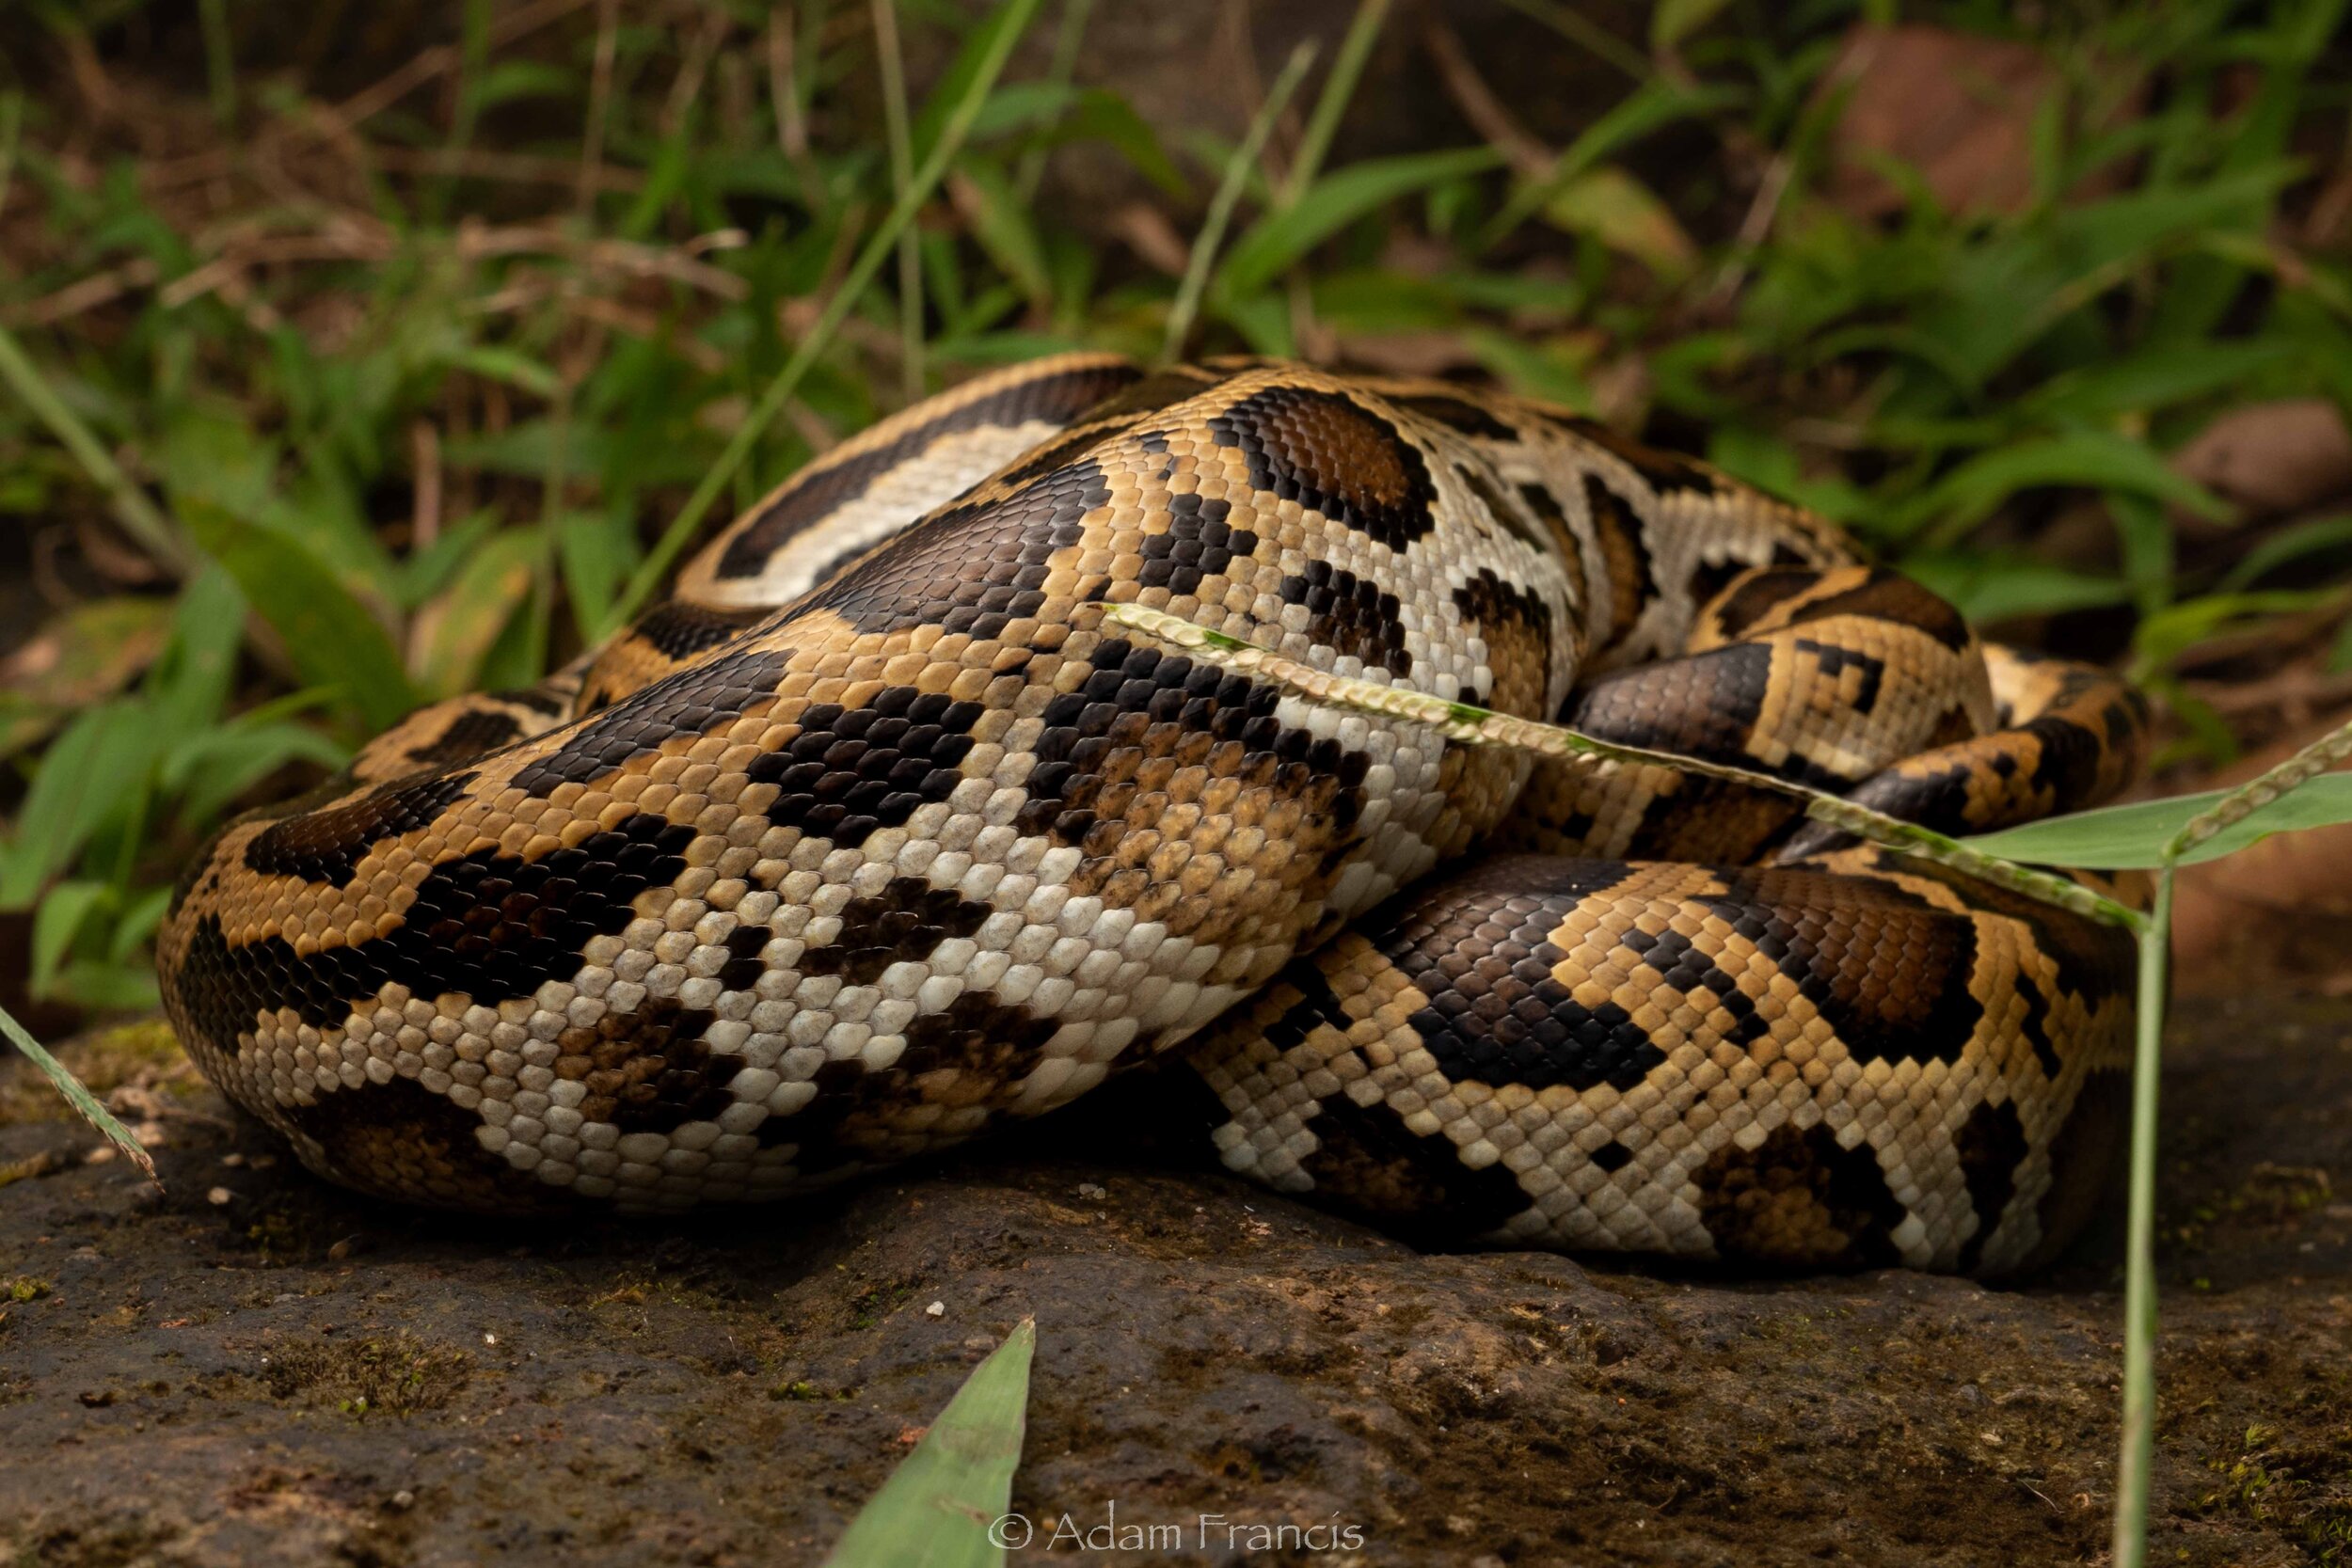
<point x="875" y="837"/>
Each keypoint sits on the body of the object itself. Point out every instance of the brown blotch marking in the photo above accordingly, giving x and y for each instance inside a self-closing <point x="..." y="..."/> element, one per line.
<point x="1351" y="616"/>
<point x="1665" y="472"/>
<point x="649" y="1071"/>
<point x="905" y="922"/>
<point x="1194" y="542"/>
<point x="695" y="700"/>
<point x="1617" y="529"/>
<point x="326" y="846"/>
<point x="485" y="926"/>
<point x="1516" y="625"/>
<point x="1992" y="1147"/>
<point x="402" y="1141"/>
<point x="973" y="567"/>
<point x="1704" y="705"/>
<point x="1457" y="414"/>
<point x="1368" y="1165"/>
<point x="1500" y="504"/>
<point x="1480" y="951"/>
<point x="2083" y="1157"/>
<point x="850" y="772"/>
<point x="1755" y="593"/>
<point x="1884" y="595"/>
<point x="976" y="1051"/>
<point x="1147" y="732"/>
<point x="1560" y="540"/>
<point x="1711" y="820"/>
<point x="468" y="735"/>
<point x="1162" y="388"/>
<point x="681" y="629"/>
<point x="1799" y="1201"/>
<point x="1329" y="453"/>
<point x="2091" y="962"/>
<point x="1888" y="968"/>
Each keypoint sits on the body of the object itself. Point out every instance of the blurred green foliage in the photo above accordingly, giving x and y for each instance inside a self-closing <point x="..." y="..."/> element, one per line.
<point x="413" y="438"/>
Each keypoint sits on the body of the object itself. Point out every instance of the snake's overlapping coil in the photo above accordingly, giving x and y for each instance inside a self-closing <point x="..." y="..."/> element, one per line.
<point x="874" y="838"/>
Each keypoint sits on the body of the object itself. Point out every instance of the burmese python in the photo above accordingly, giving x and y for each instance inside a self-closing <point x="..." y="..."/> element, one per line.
<point x="875" y="835"/>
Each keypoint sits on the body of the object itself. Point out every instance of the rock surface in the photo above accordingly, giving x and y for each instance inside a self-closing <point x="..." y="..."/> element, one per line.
<point x="256" y="1368"/>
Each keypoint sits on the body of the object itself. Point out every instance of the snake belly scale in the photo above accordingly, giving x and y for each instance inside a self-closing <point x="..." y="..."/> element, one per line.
<point x="874" y="837"/>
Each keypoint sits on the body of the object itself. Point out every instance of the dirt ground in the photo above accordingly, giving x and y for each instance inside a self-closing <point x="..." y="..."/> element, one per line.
<point x="256" y="1368"/>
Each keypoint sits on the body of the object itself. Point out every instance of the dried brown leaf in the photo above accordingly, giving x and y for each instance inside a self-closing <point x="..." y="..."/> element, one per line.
<point x="2273" y="457"/>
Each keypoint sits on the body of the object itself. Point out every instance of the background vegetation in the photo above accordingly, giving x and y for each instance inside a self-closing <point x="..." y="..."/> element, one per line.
<point x="358" y="355"/>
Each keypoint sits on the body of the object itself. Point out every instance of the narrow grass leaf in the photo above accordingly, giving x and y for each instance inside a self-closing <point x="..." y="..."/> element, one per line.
<point x="2153" y="379"/>
<point x="210" y="768"/>
<point x="935" y="1509"/>
<point x="1239" y="167"/>
<point x="56" y="922"/>
<point x="1676" y="20"/>
<point x="1652" y="106"/>
<point x="993" y="43"/>
<point x="2133" y="837"/>
<point x="329" y="636"/>
<point x="1099" y="115"/>
<point x="1336" y="200"/>
<point x="141" y="517"/>
<point x="2165" y="637"/>
<point x="95" y="768"/>
<point x="512" y="367"/>
<point x="457" y="631"/>
<point x="83" y="1102"/>
<point x="1614" y="208"/>
<point x="1987" y="588"/>
<point x="1000" y="222"/>
<point x="2098" y="459"/>
<point x="1347" y="67"/>
<point x="2288" y="545"/>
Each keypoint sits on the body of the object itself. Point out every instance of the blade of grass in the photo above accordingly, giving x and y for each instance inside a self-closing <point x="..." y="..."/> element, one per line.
<point x="939" y="1506"/>
<point x="894" y="81"/>
<point x="83" y="1102"/>
<point x="1338" y="87"/>
<point x="12" y="131"/>
<point x="2137" y="1451"/>
<point x="473" y="57"/>
<point x="140" y="516"/>
<point x="1466" y="724"/>
<point x="1075" y="15"/>
<point x="220" y="66"/>
<point x="1586" y="33"/>
<point x="2136" y="1456"/>
<point x="1011" y="21"/>
<point x="1221" y="213"/>
<point x="599" y="104"/>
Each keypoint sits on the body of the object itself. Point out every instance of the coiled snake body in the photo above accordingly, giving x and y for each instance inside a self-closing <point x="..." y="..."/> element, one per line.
<point x="875" y="836"/>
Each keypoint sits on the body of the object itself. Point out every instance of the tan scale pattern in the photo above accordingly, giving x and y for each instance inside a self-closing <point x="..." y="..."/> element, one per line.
<point x="870" y="841"/>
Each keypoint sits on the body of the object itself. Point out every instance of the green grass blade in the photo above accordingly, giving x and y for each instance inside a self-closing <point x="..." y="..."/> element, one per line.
<point x="935" y="1509"/>
<point x="83" y="1102"/>
<point x="1075" y="14"/>
<point x="140" y="516"/>
<point x="1221" y="213"/>
<point x="893" y="84"/>
<point x="330" y="637"/>
<point x="220" y="69"/>
<point x="1009" y="24"/>
<point x="2133" y="837"/>
<point x="1282" y="236"/>
<point x="2136" y="1454"/>
<point x="1322" y="125"/>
